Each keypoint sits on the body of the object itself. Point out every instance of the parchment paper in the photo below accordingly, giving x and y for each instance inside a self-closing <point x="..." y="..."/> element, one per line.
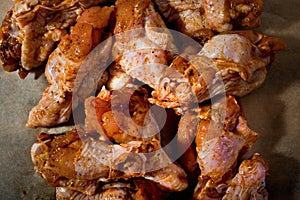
<point x="272" y="110"/>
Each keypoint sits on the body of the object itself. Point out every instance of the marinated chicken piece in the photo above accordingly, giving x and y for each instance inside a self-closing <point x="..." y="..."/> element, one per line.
<point x="121" y="116"/>
<point x="63" y="65"/>
<point x="93" y="73"/>
<point x="222" y="137"/>
<point x="53" y="157"/>
<point x="136" y="189"/>
<point x="63" y="193"/>
<point x="125" y="161"/>
<point x="200" y="18"/>
<point x="246" y="13"/>
<point x="61" y="158"/>
<point x="10" y="45"/>
<point x="234" y="63"/>
<point x="138" y="18"/>
<point x="208" y="189"/>
<point x="172" y="177"/>
<point x="111" y="162"/>
<point x="221" y="15"/>
<point x="219" y="141"/>
<point x="145" y="62"/>
<point x="31" y="30"/>
<point x="250" y="181"/>
<point x="187" y="17"/>
<point x="142" y="41"/>
<point x="66" y="161"/>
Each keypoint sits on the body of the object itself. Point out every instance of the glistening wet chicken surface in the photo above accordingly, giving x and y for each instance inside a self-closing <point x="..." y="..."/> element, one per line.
<point x="271" y="111"/>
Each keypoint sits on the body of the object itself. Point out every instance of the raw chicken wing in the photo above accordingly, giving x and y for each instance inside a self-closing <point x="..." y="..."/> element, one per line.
<point x="250" y="181"/>
<point x="31" y="30"/>
<point x="233" y="63"/>
<point x="222" y="137"/>
<point x="63" y="65"/>
<point x="200" y="18"/>
<point x="66" y="161"/>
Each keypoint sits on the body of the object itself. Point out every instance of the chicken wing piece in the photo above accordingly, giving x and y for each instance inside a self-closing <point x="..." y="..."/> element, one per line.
<point x="134" y="159"/>
<point x="66" y="161"/>
<point x="63" y="193"/>
<point x="136" y="189"/>
<point x="142" y="41"/>
<point x="121" y="116"/>
<point x="172" y="177"/>
<point x="222" y="137"/>
<point x="10" y="43"/>
<point x="53" y="157"/>
<point x="63" y="65"/>
<point x="234" y="62"/>
<point x="219" y="142"/>
<point x="200" y="18"/>
<point x="31" y="30"/>
<point x="250" y="181"/>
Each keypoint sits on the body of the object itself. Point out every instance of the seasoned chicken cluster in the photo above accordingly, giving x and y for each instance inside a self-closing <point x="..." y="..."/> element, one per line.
<point x="109" y="115"/>
<point x="160" y="116"/>
<point x="68" y="161"/>
<point x="232" y="63"/>
<point x="31" y="29"/>
<point x="200" y="18"/>
<point x="63" y="65"/>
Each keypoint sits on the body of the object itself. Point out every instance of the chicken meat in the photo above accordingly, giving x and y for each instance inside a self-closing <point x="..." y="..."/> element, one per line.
<point x="233" y="63"/>
<point x="81" y="162"/>
<point x="143" y="42"/>
<point x="121" y="115"/>
<point x="53" y="157"/>
<point x="250" y="181"/>
<point x="201" y="18"/>
<point x="31" y="29"/>
<point x="63" y="65"/>
<point x="129" y="190"/>
<point x="222" y="137"/>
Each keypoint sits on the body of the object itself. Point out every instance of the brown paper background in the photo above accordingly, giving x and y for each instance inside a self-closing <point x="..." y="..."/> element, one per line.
<point x="272" y="110"/>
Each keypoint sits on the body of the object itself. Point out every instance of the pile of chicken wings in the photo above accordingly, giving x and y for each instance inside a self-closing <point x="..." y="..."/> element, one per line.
<point x="159" y="83"/>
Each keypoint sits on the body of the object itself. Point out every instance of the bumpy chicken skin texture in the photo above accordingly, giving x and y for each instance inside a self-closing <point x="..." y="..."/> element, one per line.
<point x="63" y="65"/>
<point x="121" y="115"/>
<point x="53" y="157"/>
<point x="142" y="41"/>
<point x="135" y="189"/>
<point x="200" y="18"/>
<point x="250" y="181"/>
<point x="222" y="137"/>
<point x="234" y="63"/>
<point x="219" y="141"/>
<point x="85" y="165"/>
<point x="32" y="29"/>
<point x="67" y="161"/>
